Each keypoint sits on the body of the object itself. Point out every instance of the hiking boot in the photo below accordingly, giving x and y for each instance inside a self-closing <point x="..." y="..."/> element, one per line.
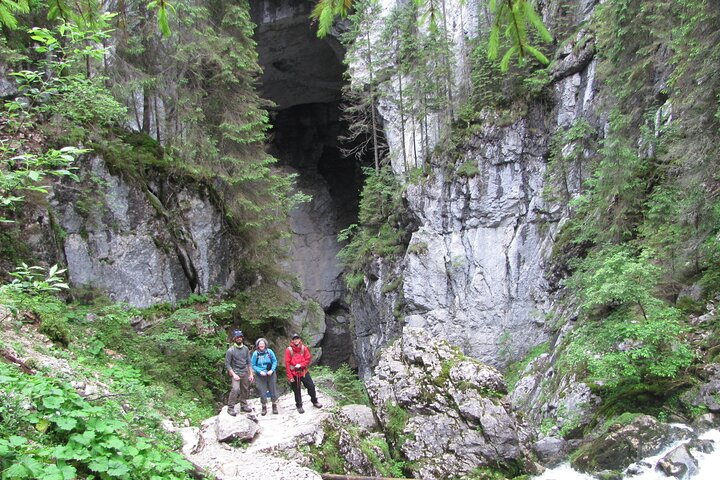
<point x="317" y="404"/>
<point x="300" y="409"/>
<point x="246" y="409"/>
<point x="264" y="410"/>
<point x="231" y="412"/>
<point x="274" y="408"/>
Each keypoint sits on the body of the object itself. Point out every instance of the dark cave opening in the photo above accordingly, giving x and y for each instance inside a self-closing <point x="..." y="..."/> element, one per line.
<point x="303" y="77"/>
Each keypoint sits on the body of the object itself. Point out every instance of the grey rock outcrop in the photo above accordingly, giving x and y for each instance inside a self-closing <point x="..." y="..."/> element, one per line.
<point x="624" y="444"/>
<point x="360" y="416"/>
<point x="448" y="408"/>
<point x="142" y="245"/>
<point x="479" y="279"/>
<point x="708" y="394"/>
<point x="375" y="314"/>
<point x="8" y="86"/>
<point x="550" y="450"/>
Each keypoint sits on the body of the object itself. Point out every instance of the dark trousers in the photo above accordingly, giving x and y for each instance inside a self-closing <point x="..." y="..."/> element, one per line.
<point x="240" y="391"/>
<point x="309" y="386"/>
<point x="264" y="384"/>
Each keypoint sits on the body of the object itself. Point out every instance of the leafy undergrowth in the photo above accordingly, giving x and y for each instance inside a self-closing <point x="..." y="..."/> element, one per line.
<point x="85" y="396"/>
<point x="47" y="430"/>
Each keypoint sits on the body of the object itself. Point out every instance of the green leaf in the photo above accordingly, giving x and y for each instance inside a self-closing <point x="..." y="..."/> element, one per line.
<point x="53" y="402"/>
<point x="99" y="464"/>
<point x="42" y="425"/>
<point x="163" y="22"/>
<point x="16" y="440"/>
<point x="66" y="423"/>
<point x="118" y="468"/>
<point x="17" y="471"/>
<point x="536" y="22"/>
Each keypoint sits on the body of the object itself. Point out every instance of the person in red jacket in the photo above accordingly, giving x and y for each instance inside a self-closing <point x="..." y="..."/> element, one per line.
<point x="297" y="360"/>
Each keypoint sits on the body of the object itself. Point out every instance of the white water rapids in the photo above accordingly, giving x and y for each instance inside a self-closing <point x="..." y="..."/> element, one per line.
<point x="708" y="465"/>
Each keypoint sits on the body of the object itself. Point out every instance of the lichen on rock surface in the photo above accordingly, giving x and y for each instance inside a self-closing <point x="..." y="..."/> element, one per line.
<point x="445" y="412"/>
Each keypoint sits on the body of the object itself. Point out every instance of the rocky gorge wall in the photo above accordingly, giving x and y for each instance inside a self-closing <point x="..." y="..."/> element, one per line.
<point x="476" y="270"/>
<point x="143" y="244"/>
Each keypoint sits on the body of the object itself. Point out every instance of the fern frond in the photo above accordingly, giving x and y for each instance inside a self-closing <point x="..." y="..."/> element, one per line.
<point x="324" y="13"/>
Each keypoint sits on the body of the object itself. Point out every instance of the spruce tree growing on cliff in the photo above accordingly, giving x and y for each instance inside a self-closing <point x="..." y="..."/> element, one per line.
<point x="360" y="96"/>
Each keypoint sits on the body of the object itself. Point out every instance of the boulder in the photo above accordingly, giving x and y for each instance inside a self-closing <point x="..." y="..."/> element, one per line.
<point x="227" y="427"/>
<point x="623" y="444"/>
<point x="550" y="451"/>
<point x="444" y="411"/>
<point x="360" y="416"/>
<point x="679" y="463"/>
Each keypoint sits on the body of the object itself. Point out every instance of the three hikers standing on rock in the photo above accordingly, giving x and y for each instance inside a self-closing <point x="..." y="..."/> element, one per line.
<point x="242" y="367"/>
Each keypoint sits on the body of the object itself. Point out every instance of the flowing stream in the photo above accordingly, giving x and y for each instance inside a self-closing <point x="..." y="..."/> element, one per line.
<point x="646" y="469"/>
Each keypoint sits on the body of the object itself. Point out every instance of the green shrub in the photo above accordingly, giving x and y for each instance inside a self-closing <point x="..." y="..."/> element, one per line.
<point x="626" y="334"/>
<point x="468" y="169"/>
<point x="344" y="385"/>
<point x="56" y="328"/>
<point x="378" y="233"/>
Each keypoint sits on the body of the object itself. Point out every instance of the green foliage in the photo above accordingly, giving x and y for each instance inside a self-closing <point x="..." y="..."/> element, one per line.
<point x="397" y="420"/>
<point x="376" y="449"/>
<point x="327" y="457"/>
<point x="326" y="10"/>
<point x="7" y="10"/>
<point x="26" y="172"/>
<point x="379" y="233"/>
<point x="56" y="328"/>
<point x="34" y="280"/>
<point x="625" y="418"/>
<point x="343" y="385"/>
<point x="514" y="370"/>
<point x="162" y="15"/>
<point x="54" y="433"/>
<point x="468" y="169"/>
<point x="515" y="16"/>
<point x="264" y="308"/>
<point x="639" y="337"/>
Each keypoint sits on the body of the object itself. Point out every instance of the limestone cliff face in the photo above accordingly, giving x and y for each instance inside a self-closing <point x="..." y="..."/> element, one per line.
<point x="142" y="244"/>
<point x="476" y="271"/>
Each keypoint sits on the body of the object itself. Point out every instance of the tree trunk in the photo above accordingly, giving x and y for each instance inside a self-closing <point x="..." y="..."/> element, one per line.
<point x="146" y="110"/>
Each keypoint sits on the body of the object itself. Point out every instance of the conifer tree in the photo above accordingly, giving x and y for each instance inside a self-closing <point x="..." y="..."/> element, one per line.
<point x="513" y="17"/>
<point x="360" y="96"/>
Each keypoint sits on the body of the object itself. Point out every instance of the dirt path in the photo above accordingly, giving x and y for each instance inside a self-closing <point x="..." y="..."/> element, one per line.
<point x="267" y="455"/>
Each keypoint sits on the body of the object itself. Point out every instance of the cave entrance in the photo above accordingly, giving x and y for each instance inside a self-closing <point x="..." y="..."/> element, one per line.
<point x="303" y="77"/>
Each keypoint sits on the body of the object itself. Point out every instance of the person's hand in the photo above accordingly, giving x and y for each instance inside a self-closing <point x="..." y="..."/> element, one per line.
<point x="236" y="377"/>
<point x="252" y="377"/>
<point x="263" y="373"/>
<point x="270" y="372"/>
<point x="298" y="366"/>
